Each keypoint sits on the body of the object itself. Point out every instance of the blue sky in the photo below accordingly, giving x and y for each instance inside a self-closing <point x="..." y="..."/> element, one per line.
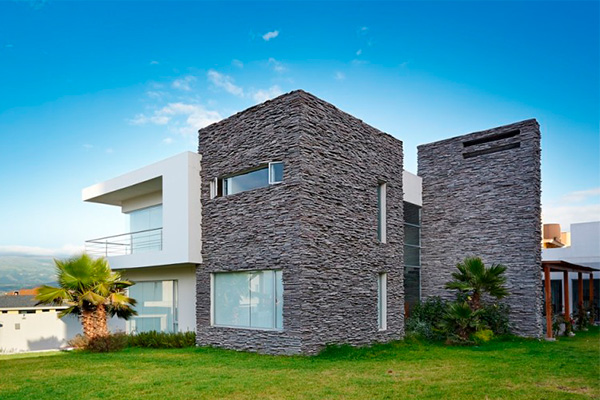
<point x="90" y="90"/>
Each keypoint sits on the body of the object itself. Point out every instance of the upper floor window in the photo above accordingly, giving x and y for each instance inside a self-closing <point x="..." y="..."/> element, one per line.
<point x="261" y="177"/>
<point x="145" y="229"/>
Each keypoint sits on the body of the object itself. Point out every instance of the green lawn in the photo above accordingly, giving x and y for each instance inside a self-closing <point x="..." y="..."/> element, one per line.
<point x="511" y="369"/>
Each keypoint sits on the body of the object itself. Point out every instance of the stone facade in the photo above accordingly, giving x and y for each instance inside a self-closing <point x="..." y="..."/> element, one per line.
<point x="319" y="226"/>
<point x="481" y="197"/>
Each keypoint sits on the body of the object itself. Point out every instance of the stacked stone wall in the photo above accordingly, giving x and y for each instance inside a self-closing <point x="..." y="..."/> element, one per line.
<point x="481" y="197"/>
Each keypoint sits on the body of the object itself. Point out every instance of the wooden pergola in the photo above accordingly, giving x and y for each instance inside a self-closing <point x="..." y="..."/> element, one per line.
<point x="565" y="267"/>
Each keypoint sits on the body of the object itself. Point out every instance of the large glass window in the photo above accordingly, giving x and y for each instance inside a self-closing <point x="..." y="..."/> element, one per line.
<point x="412" y="254"/>
<point x="156" y="307"/>
<point x="248" y="299"/>
<point x="145" y="226"/>
<point x="261" y="177"/>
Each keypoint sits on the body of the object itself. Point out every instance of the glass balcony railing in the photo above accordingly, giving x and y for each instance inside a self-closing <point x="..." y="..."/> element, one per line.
<point x="126" y="243"/>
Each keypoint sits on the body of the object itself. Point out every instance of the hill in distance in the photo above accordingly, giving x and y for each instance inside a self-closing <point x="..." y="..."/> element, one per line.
<point x="18" y="272"/>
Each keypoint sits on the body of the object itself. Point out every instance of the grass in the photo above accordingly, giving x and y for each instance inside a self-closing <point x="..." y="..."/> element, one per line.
<point x="503" y="369"/>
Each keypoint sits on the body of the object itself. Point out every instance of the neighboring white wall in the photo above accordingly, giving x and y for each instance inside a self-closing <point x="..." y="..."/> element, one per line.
<point x="181" y="209"/>
<point x="39" y="331"/>
<point x="584" y="249"/>
<point x="186" y="291"/>
<point x="412" y="186"/>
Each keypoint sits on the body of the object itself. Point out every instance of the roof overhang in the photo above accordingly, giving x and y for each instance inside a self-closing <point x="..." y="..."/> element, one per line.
<point x="113" y="193"/>
<point x="560" y="265"/>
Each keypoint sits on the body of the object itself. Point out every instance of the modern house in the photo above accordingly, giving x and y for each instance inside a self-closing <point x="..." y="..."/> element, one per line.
<point x="296" y="226"/>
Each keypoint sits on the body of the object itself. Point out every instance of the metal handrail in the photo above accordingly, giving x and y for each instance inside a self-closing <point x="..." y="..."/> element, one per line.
<point x="126" y="243"/>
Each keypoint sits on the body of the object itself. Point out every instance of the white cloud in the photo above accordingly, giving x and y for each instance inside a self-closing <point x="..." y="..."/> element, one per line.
<point x="110" y="150"/>
<point x="580" y="195"/>
<point x="339" y="76"/>
<point x="184" y="83"/>
<point x="154" y="62"/>
<point x="87" y="146"/>
<point x="224" y="82"/>
<point x="270" y="35"/>
<point x="182" y="118"/>
<point x="359" y="52"/>
<point x="237" y="63"/>
<point x="167" y="140"/>
<point x="574" y="207"/>
<point x="16" y="250"/>
<point x="276" y="65"/>
<point x="262" y="95"/>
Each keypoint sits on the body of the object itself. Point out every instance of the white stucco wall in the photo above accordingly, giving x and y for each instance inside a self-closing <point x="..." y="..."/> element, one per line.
<point x="181" y="210"/>
<point x="39" y="331"/>
<point x="186" y="287"/>
<point x="412" y="185"/>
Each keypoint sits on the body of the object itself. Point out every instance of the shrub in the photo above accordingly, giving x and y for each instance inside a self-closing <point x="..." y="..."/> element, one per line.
<point x="107" y="343"/>
<point x="460" y="322"/>
<point x="163" y="340"/>
<point x="495" y="316"/>
<point x="425" y="319"/>
<point x="482" y="336"/>
<point x="79" y="342"/>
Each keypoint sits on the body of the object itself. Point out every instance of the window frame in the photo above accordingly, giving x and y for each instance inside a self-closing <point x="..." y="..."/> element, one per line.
<point x="276" y="295"/>
<point x="382" y="296"/>
<point x="218" y="186"/>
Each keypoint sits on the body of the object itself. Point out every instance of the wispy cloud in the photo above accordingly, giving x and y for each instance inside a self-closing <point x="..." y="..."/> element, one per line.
<point x="339" y="76"/>
<point x="358" y="52"/>
<point x="270" y="35"/>
<point x="87" y="146"/>
<point x="224" y="82"/>
<point x="237" y="63"/>
<point x="184" y="83"/>
<point x="167" y="140"/>
<point x="262" y="95"/>
<point x="581" y="195"/>
<point x="276" y="65"/>
<point x="109" y="150"/>
<point x="31" y="251"/>
<point x="574" y="207"/>
<point x="182" y="118"/>
<point x="154" y="62"/>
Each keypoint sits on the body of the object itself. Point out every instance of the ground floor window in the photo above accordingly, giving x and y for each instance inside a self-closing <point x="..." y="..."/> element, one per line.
<point x="382" y="301"/>
<point x="252" y="299"/>
<point x="156" y="307"/>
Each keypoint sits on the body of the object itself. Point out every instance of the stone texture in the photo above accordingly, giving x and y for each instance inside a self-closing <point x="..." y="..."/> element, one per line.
<point x="485" y="204"/>
<point x="319" y="226"/>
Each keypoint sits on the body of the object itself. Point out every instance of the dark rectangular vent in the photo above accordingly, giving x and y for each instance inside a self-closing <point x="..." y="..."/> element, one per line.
<point x="492" y="150"/>
<point x="491" y="138"/>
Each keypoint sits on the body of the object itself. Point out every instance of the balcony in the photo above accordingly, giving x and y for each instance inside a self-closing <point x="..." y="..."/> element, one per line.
<point x="126" y="243"/>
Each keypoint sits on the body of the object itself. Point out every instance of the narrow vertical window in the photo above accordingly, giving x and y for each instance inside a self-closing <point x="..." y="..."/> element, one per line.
<point x="275" y="172"/>
<point x="382" y="301"/>
<point x="381" y="212"/>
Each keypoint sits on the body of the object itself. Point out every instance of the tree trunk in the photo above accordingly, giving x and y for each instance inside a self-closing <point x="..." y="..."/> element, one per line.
<point x="94" y="322"/>
<point x="475" y="302"/>
<point x="87" y="322"/>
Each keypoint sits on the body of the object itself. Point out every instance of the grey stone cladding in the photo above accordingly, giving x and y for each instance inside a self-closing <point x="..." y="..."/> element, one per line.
<point x="481" y="197"/>
<point x="319" y="226"/>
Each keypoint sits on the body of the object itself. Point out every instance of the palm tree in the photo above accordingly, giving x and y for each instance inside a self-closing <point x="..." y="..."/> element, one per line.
<point x="91" y="290"/>
<point x="474" y="278"/>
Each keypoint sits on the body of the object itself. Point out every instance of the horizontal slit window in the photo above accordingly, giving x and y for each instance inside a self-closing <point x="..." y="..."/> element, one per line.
<point x="261" y="177"/>
<point x="491" y="150"/>
<point x="491" y="138"/>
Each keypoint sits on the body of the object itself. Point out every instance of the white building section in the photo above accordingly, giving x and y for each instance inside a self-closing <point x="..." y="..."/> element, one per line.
<point x="163" y="204"/>
<point x="412" y="186"/>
